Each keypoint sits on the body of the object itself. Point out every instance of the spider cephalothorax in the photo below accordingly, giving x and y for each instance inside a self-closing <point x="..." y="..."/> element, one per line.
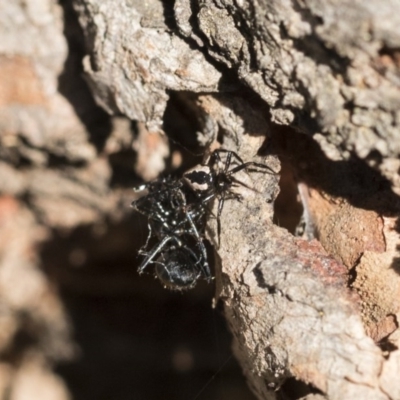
<point x="216" y="179"/>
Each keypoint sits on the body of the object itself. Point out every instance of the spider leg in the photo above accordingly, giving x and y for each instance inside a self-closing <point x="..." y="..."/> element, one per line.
<point x="148" y="238"/>
<point x="234" y="196"/>
<point x="204" y="267"/>
<point x="154" y="251"/>
<point x="201" y="272"/>
<point x="237" y="183"/>
<point x="228" y="161"/>
<point x="250" y="164"/>
<point x="216" y="159"/>
<point x="232" y="153"/>
<point x="219" y="212"/>
<point x="189" y="218"/>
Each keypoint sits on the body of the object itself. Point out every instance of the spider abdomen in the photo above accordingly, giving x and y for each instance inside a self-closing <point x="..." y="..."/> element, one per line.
<point x="177" y="269"/>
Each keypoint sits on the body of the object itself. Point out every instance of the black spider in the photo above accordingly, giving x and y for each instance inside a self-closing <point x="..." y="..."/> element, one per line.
<point x="177" y="210"/>
<point x="180" y="255"/>
<point x="216" y="179"/>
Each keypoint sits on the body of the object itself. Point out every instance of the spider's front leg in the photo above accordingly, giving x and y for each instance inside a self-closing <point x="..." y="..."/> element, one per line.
<point x="247" y="166"/>
<point x="228" y="161"/>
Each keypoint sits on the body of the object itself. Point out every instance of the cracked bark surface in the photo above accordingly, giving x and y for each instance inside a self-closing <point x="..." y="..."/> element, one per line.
<point x="310" y="87"/>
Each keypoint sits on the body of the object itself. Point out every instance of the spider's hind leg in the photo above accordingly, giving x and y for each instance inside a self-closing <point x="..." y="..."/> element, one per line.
<point x="153" y="253"/>
<point x="205" y="268"/>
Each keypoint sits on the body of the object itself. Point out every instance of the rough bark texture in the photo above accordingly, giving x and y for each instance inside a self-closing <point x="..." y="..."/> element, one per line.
<point x="310" y="88"/>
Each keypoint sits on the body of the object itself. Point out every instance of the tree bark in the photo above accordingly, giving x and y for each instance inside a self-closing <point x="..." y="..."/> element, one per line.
<point x="310" y="88"/>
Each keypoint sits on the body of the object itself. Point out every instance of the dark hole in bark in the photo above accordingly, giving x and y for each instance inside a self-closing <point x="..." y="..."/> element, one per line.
<point x="287" y="207"/>
<point x="294" y="389"/>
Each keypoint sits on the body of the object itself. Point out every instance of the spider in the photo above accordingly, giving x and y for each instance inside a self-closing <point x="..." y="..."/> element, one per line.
<point x="177" y="210"/>
<point x="179" y="267"/>
<point x="216" y="179"/>
<point x="180" y="256"/>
